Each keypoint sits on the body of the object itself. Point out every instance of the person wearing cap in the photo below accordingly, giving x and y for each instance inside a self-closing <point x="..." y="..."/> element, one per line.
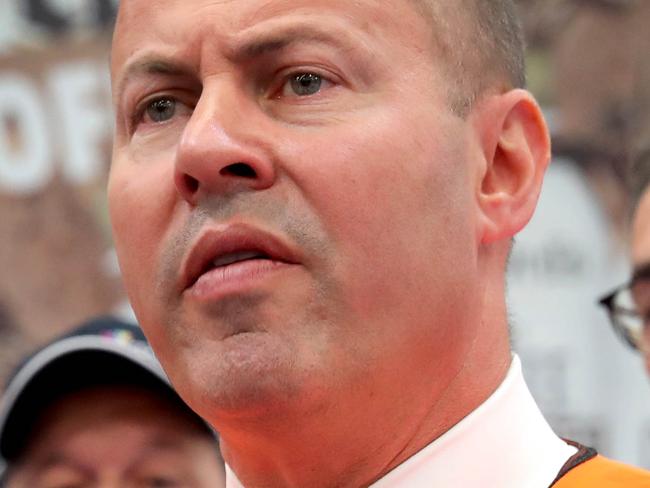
<point x="94" y="409"/>
<point x="628" y="305"/>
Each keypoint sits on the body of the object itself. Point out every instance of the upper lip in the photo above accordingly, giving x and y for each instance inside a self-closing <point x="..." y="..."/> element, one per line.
<point x="215" y="242"/>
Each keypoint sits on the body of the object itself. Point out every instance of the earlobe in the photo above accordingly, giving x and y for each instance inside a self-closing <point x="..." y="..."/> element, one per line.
<point x="516" y="148"/>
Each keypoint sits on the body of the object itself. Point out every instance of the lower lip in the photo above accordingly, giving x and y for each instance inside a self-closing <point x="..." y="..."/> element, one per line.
<point x="232" y="279"/>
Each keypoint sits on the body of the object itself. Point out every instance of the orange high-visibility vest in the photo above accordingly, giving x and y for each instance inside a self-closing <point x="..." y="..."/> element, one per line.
<point x="587" y="469"/>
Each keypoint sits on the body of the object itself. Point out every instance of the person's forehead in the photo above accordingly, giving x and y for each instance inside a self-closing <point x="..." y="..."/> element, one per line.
<point x="113" y="428"/>
<point x="641" y="230"/>
<point x="77" y="420"/>
<point x="264" y="7"/>
<point x="167" y="20"/>
<point x="109" y="404"/>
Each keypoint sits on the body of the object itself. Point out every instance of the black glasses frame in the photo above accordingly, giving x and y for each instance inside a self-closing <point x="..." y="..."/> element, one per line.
<point x="613" y="312"/>
<point x="641" y="273"/>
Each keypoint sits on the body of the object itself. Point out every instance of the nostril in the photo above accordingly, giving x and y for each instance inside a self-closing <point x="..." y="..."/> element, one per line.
<point x="191" y="183"/>
<point x="241" y="170"/>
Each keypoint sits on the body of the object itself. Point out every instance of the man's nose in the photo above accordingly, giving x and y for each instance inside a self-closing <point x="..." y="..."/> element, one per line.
<point x="222" y="150"/>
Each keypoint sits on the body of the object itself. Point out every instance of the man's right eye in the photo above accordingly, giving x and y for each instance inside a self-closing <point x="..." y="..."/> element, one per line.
<point x="160" y="111"/>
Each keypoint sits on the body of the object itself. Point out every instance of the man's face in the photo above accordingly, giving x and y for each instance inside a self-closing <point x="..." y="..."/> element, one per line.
<point x="113" y="436"/>
<point x="641" y="264"/>
<point x="292" y="201"/>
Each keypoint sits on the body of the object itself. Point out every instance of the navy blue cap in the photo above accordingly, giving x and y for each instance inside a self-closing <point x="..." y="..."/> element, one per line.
<point x="103" y="351"/>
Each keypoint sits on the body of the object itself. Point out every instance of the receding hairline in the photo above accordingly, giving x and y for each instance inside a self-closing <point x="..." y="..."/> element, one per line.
<point x="459" y="26"/>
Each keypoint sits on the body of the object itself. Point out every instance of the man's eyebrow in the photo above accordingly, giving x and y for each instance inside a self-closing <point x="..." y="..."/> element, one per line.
<point x="150" y="66"/>
<point x="278" y="40"/>
<point x="60" y="460"/>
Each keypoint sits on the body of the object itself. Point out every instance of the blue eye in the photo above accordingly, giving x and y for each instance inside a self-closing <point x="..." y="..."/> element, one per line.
<point x="305" y="84"/>
<point x="161" y="110"/>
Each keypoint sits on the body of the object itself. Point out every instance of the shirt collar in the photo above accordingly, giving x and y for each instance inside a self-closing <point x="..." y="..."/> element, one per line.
<point x="505" y="442"/>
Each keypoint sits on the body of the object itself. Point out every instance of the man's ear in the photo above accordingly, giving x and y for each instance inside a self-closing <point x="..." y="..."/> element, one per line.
<point x="516" y="150"/>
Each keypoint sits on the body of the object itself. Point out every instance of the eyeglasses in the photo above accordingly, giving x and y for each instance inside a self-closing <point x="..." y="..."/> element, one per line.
<point x="628" y="307"/>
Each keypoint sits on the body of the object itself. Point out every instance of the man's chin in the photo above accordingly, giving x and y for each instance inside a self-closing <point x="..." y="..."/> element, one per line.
<point x="248" y="375"/>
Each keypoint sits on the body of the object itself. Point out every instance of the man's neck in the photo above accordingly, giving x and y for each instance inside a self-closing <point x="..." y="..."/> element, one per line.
<point x="353" y="444"/>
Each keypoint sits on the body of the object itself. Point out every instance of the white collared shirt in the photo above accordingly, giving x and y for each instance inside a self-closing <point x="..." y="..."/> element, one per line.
<point x="504" y="443"/>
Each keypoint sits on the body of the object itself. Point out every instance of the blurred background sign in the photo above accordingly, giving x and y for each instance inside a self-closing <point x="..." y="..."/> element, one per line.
<point x="55" y="139"/>
<point x="34" y="23"/>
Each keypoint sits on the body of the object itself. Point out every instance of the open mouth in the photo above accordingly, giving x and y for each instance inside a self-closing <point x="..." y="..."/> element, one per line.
<point x="231" y="250"/>
<point x="231" y="260"/>
<point x="236" y="257"/>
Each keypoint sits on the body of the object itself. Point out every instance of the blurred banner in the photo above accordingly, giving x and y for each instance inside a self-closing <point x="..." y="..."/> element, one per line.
<point x="588" y="384"/>
<point x="55" y="139"/>
<point x="56" y="257"/>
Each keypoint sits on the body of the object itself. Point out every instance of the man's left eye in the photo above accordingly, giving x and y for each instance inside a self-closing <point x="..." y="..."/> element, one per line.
<point x="161" y="110"/>
<point x="303" y="85"/>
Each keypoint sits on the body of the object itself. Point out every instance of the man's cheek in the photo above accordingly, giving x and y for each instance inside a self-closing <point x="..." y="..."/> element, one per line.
<point x="142" y="199"/>
<point x="133" y="237"/>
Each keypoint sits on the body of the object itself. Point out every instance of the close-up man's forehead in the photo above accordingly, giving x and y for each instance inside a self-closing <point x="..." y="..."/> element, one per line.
<point x="196" y="32"/>
<point x="167" y="18"/>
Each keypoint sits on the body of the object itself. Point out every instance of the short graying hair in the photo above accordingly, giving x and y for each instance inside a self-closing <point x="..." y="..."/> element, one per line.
<point x="499" y="28"/>
<point x="483" y="44"/>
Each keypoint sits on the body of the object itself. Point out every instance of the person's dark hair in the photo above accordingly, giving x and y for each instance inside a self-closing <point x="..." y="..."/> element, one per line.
<point x="639" y="177"/>
<point x="483" y="44"/>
